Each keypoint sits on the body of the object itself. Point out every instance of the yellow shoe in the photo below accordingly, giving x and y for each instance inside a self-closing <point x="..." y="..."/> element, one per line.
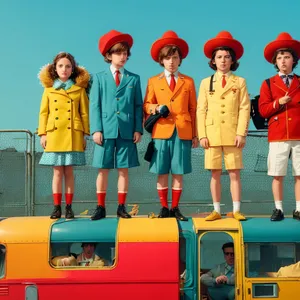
<point x="239" y="216"/>
<point x="213" y="216"/>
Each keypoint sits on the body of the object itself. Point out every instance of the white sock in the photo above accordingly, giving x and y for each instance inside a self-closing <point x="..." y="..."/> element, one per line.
<point x="236" y="206"/>
<point x="298" y="206"/>
<point x="278" y="205"/>
<point x="217" y="207"/>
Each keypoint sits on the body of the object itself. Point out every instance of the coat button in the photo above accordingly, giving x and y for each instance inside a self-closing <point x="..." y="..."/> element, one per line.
<point x="56" y="108"/>
<point x="223" y="105"/>
<point x="222" y="121"/>
<point x="56" y="118"/>
<point x="118" y="99"/>
<point x="172" y="100"/>
<point x="222" y="98"/>
<point x="69" y="110"/>
<point x="68" y="101"/>
<point x="69" y="127"/>
<point x="69" y="118"/>
<point x="55" y="128"/>
<point x="55" y="100"/>
<point x="289" y="119"/>
<point x="118" y="112"/>
<point x="222" y="112"/>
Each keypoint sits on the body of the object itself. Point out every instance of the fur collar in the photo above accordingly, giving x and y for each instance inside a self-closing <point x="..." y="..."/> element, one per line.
<point x="82" y="80"/>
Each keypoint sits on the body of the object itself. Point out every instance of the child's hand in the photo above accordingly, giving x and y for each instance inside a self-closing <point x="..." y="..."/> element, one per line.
<point x="204" y="143"/>
<point x="43" y="141"/>
<point x="195" y="142"/>
<point x="137" y="137"/>
<point x="98" y="138"/>
<point x="285" y="99"/>
<point x="240" y="141"/>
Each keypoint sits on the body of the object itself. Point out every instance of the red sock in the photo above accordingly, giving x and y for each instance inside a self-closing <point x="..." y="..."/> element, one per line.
<point x="57" y="198"/>
<point x="163" y="196"/>
<point x="122" y="197"/>
<point x="69" y="198"/>
<point x="101" y="198"/>
<point x="175" y="197"/>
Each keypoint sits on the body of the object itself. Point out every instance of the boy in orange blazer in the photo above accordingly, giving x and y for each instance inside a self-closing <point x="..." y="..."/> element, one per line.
<point x="175" y="135"/>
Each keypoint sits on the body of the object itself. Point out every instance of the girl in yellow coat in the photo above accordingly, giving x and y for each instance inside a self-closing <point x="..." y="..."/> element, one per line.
<point x="222" y="118"/>
<point x="63" y="122"/>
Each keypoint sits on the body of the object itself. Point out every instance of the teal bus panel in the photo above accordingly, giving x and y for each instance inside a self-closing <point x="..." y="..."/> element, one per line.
<point x="263" y="230"/>
<point x="84" y="230"/>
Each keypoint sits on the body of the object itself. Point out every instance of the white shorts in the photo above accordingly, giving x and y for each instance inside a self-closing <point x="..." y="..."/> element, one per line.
<point x="279" y="153"/>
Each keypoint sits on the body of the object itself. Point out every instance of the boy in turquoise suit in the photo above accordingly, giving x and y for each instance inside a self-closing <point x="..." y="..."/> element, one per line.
<point x="116" y="117"/>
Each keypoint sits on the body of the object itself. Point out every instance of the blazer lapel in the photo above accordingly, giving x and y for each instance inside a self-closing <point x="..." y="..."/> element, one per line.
<point x="278" y="82"/>
<point x="125" y="80"/>
<point x="73" y="88"/>
<point x="232" y="81"/>
<point x="110" y="79"/>
<point x="164" y="84"/>
<point x="179" y="84"/>
<point x="294" y="85"/>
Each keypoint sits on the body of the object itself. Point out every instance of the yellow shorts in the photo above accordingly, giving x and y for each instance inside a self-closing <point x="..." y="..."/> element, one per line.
<point x="232" y="157"/>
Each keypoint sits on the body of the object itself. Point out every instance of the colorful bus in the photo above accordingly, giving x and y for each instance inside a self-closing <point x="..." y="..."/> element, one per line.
<point x="160" y="259"/>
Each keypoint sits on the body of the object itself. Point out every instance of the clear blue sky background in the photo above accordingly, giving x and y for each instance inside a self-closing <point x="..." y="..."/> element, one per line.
<point x="32" y="32"/>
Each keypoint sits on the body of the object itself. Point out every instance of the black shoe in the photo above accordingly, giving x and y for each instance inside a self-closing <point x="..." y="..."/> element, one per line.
<point x="99" y="213"/>
<point x="277" y="215"/>
<point x="56" y="214"/>
<point x="164" y="213"/>
<point x="69" y="214"/>
<point x="122" y="213"/>
<point x="296" y="215"/>
<point x="175" y="213"/>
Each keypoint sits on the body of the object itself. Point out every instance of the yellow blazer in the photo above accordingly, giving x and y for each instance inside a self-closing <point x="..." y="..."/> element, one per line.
<point x="181" y="103"/>
<point x="223" y="113"/>
<point x="64" y="115"/>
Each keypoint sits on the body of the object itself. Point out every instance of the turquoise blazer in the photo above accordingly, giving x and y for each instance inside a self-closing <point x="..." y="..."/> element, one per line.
<point x="113" y="109"/>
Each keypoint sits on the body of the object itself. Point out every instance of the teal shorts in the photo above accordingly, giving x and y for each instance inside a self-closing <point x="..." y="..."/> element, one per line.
<point x="173" y="155"/>
<point x="116" y="154"/>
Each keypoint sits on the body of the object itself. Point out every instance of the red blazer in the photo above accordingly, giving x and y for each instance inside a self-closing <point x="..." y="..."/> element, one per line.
<point x="284" y="120"/>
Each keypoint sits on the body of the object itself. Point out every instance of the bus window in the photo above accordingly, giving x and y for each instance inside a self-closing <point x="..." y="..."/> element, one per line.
<point x="268" y="259"/>
<point x="85" y="254"/>
<point x="2" y="260"/>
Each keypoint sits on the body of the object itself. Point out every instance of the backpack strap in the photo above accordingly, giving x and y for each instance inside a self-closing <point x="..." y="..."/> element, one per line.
<point x="211" y="88"/>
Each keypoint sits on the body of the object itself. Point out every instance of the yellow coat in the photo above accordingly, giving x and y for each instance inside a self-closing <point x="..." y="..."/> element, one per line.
<point x="64" y="115"/>
<point x="224" y="113"/>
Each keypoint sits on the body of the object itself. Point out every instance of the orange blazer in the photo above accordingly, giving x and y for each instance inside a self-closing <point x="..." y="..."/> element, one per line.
<point x="181" y="103"/>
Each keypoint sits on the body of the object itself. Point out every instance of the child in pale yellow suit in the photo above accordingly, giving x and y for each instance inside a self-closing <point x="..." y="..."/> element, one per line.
<point x="223" y="118"/>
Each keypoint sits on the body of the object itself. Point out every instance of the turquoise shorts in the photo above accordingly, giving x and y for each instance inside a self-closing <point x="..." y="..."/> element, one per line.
<point x="116" y="154"/>
<point x="173" y="155"/>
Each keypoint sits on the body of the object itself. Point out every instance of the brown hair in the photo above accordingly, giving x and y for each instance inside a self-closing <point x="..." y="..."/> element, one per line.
<point x="235" y="64"/>
<point x="168" y="51"/>
<point x="117" y="48"/>
<point x="70" y="57"/>
<point x="281" y="51"/>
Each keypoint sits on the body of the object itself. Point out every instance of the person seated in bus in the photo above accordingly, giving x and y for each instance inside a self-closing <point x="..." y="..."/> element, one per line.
<point x="220" y="280"/>
<point x="64" y="261"/>
<point x="292" y="270"/>
<point x="88" y="257"/>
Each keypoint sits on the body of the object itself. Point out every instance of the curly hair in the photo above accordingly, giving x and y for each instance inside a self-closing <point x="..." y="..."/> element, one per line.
<point x="70" y="57"/>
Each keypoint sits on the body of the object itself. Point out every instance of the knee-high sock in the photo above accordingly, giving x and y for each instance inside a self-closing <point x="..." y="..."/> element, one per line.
<point x="163" y="196"/>
<point x="122" y="197"/>
<point x="69" y="198"/>
<point x="101" y="198"/>
<point x="176" y="193"/>
<point x="57" y="198"/>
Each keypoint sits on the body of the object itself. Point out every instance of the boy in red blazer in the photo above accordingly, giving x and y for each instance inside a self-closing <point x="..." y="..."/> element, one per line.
<point x="280" y="103"/>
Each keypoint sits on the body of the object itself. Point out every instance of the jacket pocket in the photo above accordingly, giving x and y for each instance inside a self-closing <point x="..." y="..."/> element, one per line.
<point x="209" y="122"/>
<point x="273" y="120"/>
<point x="187" y="118"/>
<point x="50" y="125"/>
<point x="78" y="125"/>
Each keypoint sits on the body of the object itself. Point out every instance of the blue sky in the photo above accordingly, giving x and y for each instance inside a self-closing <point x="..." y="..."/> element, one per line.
<point x="33" y="32"/>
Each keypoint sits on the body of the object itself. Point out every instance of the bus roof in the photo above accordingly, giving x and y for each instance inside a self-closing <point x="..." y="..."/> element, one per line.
<point x="263" y="230"/>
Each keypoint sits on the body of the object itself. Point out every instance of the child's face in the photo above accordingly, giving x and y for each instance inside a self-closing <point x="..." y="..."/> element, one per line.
<point x="223" y="61"/>
<point x="285" y="62"/>
<point x="63" y="69"/>
<point x="118" y="59"/>
<point x="172" y="62"/>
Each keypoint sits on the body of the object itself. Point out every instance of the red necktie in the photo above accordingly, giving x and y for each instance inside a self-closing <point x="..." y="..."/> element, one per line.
<point x="117" y="78"/>
<point x="172" y="83"/>
<point x="223" y="81"/>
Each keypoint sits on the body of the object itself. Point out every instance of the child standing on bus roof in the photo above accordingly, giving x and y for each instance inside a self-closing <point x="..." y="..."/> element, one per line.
<point x="63" y="122"/>
<point x="223" y="113"/>
<point x="280" y="102"/>
<point x="175" y="135"/>
<point x="116" y="115"/>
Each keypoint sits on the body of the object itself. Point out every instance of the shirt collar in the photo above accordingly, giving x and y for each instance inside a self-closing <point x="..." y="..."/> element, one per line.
<point x="168" y="74"/>
<point x="113" y="70"/>
<point x="280" y="74"/>
<point x="219" y="75"/>
<point x="58" y="84"/>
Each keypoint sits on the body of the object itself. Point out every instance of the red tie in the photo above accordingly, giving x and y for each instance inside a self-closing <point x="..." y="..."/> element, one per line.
<point x="172" y="83"/>
<point x="223" y="81"/>
<point x="117" y="78"/>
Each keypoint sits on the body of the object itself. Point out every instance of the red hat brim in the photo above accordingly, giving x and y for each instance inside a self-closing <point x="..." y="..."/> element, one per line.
<point x="214" y="43"/>
<point x="272" y="47"/>
<point x="160" y="43"/>
<point x="120" y="38"/>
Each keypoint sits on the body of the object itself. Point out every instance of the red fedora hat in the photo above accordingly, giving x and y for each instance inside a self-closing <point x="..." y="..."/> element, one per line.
<point x="283" y="41"/>
<point x="223" y="39"/>
<point x="169" y="38"/>
<point x="111" y="38"/>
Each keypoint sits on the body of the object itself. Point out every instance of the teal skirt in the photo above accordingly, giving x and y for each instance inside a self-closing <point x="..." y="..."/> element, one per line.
<point x="63" y="159"/>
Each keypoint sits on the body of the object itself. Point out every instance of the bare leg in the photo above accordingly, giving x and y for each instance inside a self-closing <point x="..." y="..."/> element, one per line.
<point x="162" y="181"/>
<point x="177" y="181"/>
<point x="69" y="179"/>
<point x="235" y="185"/>
<point x="277" y="188"/>
<point x="58" y="173"/>
<point x="297" y="188"/>
<point x="102" y="180"/>
<point x="123" y="180"/>
<point x="215" y="185"/>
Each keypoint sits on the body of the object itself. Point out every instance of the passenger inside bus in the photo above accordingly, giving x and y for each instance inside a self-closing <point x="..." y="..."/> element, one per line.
<point x="220" y="280"/>
<point x="88" y="257"/>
